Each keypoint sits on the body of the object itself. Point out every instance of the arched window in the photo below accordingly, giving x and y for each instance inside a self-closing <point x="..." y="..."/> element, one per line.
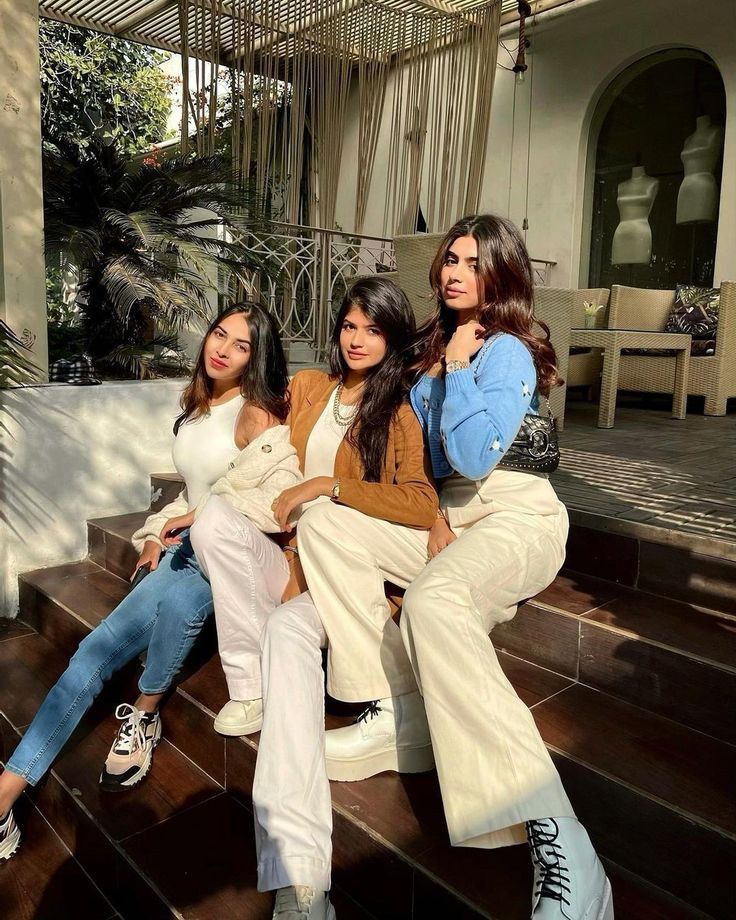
<point x="657" y="142"/>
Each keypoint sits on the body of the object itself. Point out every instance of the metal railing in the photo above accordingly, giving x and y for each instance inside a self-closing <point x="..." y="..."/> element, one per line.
<point x="307" y="270"/>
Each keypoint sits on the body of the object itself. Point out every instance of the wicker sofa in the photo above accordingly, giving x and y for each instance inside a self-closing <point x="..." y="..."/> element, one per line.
<point x="713" y="377"/>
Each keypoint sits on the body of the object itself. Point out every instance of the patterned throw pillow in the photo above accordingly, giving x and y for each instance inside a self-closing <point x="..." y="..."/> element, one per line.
<point x="695" y="312"/>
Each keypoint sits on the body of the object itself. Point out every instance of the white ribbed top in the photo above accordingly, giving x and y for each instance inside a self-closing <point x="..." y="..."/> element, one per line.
<point x="205" y="448"/>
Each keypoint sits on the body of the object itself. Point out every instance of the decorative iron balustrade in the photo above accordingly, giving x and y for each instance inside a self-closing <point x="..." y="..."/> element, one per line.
<point x="306" y="272"/>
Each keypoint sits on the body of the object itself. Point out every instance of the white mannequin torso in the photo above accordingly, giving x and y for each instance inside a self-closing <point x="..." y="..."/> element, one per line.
<point x="697" y="200"/>
<point x="632" y="241"/>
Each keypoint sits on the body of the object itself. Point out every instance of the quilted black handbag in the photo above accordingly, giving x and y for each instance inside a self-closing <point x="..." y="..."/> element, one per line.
<point x="536" y="448"/>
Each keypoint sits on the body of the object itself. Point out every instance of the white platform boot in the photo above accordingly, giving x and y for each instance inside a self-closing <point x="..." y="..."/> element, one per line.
<point x="391" y="734"/>
<point x="240" y="717"/>
<point x="569" y="880"/>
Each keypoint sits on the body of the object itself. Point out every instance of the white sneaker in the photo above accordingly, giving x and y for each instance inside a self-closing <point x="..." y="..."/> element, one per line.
<point x="299" y="902"/>
<point x="9" y="836"/>
<point x="569" y="880"/>
<point x="240" y="717"/>
<point x="132" y="750"/>
<point x="391" y="734"/>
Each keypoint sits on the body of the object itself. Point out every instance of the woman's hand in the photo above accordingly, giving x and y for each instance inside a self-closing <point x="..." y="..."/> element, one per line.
<point x="169" y="536"/>
<point x="150" y="556"/>
<point x="300" y="494"/>
<point x="465" y="341"/>
<point x="440" y="536"/>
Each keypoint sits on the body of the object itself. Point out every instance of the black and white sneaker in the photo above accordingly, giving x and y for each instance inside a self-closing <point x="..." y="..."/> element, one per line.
<point x="131" y="753"/>
<point x="9" y="836"/>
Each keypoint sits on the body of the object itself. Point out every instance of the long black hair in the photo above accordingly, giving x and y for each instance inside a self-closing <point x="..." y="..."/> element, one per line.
<point x="386" y="387"/>
<point x="265" y="377"/>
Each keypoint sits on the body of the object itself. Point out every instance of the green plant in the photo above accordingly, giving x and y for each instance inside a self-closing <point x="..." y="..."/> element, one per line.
<point x="16" y="367"/>
<point x="152" y="245"/>
<point x="100" y="85"/>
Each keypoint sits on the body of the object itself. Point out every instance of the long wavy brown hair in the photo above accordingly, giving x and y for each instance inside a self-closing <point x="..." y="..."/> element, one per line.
<point x="265" y="377"/>
<point x="506" y="294"/>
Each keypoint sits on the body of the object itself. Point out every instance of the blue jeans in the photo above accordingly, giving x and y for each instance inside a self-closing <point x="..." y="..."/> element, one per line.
<point x="164" y="614"/>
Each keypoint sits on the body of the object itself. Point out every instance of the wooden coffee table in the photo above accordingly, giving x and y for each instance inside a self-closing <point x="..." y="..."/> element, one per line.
<point x="612" y="341"/>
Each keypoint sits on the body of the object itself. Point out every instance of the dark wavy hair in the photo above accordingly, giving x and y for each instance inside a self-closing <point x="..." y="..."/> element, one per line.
<point x="506" y="293"/>
<point x="265" y="377"/>
<point x="386" y="305"/>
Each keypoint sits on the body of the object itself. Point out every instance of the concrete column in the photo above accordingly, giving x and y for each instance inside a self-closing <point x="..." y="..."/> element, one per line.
<point x="22" y="267"/>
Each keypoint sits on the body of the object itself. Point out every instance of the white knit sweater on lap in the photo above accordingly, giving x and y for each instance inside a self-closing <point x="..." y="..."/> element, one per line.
<point x="259" y="474"/>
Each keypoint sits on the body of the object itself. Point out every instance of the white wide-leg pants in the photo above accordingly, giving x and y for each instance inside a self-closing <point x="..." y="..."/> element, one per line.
<point x="248" y="573"/>
<point x="291" y="794"/>
<point x="494" y="769"/>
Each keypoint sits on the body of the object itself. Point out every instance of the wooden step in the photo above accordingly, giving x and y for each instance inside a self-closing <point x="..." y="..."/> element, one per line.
<point x="688" y="567"/>
<point x="45" y="874"/>
<point x="667" y="656"/>
<point x="641" y="780"/>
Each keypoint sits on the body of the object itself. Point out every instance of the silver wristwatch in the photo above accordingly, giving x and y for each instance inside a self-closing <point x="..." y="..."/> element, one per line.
<point x="335" y="492"/>
<point x="453" y="366"/>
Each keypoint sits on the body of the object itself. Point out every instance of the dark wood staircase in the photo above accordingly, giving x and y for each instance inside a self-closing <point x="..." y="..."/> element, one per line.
<point x="633" y="692"/>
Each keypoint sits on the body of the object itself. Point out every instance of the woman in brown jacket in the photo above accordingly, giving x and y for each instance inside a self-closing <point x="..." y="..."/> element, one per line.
<point x="361" y="451"/>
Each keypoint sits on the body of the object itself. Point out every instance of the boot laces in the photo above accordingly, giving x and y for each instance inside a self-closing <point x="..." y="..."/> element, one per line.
<point x="296" y="898"/>
<point x="552" y="876"/>
<point x="370" y="712"/>
<point x="132" y="733"/>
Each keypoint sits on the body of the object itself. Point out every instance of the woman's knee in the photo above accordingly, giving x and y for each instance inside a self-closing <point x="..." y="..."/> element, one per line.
<point x="210" y="524"/>
<point x="289" y="623"/>
<point x="92" y="663"/>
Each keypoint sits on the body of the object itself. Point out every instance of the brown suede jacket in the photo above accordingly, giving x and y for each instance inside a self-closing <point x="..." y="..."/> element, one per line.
<point x="405" y="493"/>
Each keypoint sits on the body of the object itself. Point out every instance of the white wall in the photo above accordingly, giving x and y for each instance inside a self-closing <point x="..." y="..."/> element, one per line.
<point x="22" y="268"/>
<point x="71" y="453"/>
<point x="576" y="52"/>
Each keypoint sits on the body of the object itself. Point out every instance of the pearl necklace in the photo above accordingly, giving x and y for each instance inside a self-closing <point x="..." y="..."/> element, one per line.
<point x="342" y="420"/>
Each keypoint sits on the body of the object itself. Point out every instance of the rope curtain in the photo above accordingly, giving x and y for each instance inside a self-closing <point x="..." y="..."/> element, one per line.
<point x="422" y="82"/>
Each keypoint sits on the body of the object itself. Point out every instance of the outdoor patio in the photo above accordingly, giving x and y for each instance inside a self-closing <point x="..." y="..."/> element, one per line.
<point x="653" y="470"/>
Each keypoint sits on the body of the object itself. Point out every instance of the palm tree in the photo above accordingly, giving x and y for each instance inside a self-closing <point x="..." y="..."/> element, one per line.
<point x="16" y="368"/>
<point x="151" y="243"/>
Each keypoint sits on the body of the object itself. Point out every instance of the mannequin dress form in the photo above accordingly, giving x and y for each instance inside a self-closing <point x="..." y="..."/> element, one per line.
<point x="697" y="200"/>
<point x="632" y="241"/>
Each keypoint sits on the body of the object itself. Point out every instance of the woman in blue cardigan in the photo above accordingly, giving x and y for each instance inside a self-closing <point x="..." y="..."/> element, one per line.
<point x="485" y="363"/>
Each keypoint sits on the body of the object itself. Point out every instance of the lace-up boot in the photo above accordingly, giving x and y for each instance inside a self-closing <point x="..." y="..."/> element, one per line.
<point x="9" y="836"/>
<point x="131" y="753"/>
<point x="390" y="734"/>
<point x="569" y="881"/>
<point x="299" y="902"/>
<point x="240" y="717"/>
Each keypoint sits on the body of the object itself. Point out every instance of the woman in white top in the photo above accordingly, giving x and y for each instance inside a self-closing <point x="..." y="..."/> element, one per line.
<point x="230" y="440"/>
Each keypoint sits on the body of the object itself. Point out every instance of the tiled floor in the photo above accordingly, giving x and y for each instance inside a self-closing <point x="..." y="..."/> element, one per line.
<point x="651" y="468"/>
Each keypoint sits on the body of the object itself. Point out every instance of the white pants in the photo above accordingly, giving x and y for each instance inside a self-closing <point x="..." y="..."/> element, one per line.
<point x="291" y="794"/>
<point x="275" y="652"/>
<point x="494" y="769"/>
<point x="248" y="573"/>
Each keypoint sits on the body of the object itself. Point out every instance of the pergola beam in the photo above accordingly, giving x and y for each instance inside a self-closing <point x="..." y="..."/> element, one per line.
<point x="131" y="23"/>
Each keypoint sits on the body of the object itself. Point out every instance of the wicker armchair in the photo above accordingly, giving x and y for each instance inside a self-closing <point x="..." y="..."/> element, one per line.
<point x="555" y="306"/>
<point x="713" y="377"/>
<point x="584" y="366"/>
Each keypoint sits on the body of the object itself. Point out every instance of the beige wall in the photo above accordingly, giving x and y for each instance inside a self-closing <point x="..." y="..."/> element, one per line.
<point x="71" y="453"/>
<point x="576" y="52"/>
<point x="22" y="271"/>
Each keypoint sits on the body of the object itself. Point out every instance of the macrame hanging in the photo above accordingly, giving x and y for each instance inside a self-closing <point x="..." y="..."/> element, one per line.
<point x="422" y="82"/>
